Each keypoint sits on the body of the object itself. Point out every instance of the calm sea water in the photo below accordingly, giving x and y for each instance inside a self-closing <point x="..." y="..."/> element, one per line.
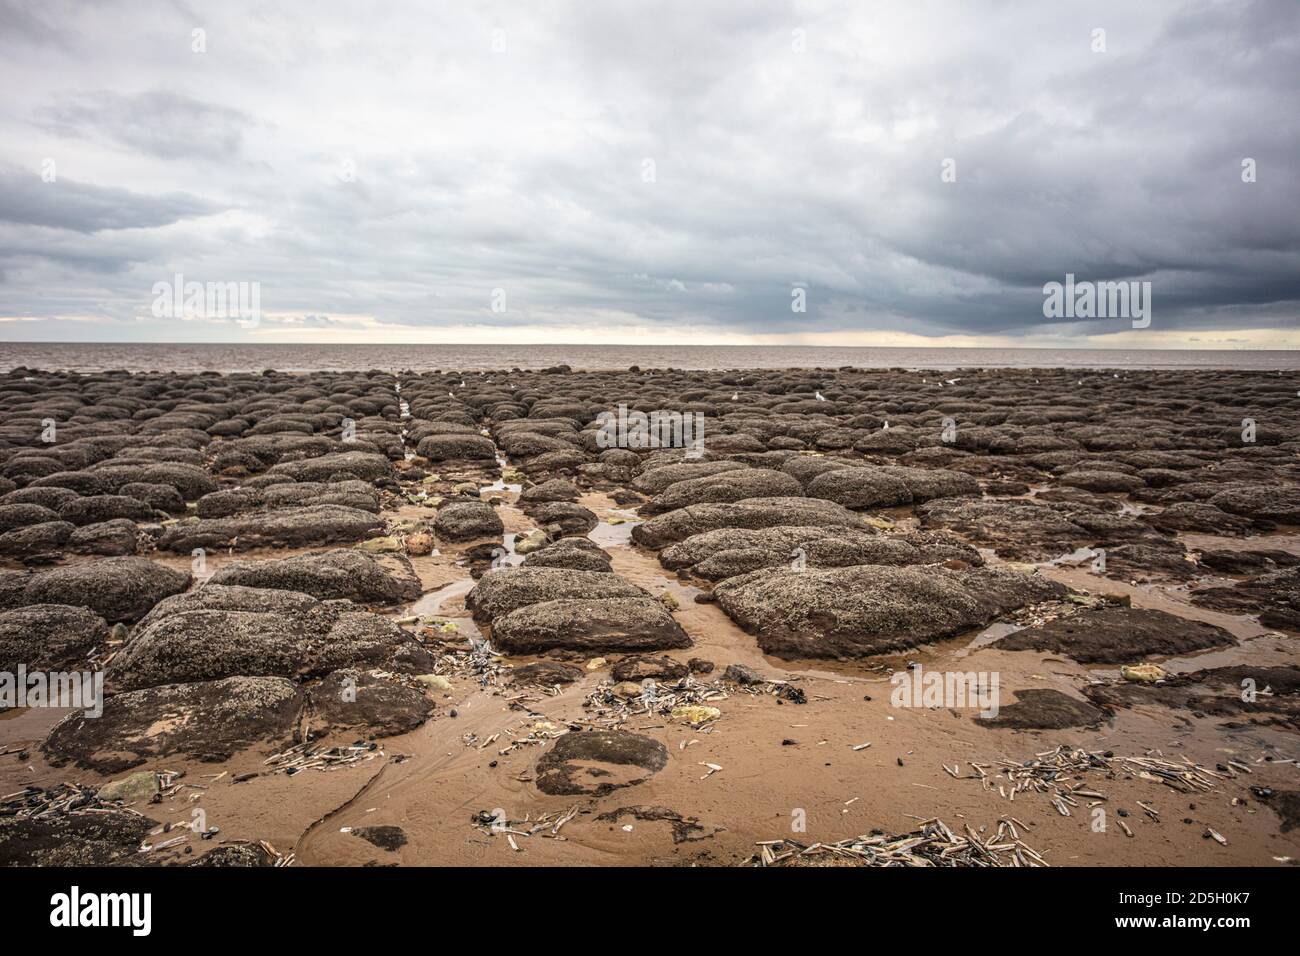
<point x="98" y="357"/>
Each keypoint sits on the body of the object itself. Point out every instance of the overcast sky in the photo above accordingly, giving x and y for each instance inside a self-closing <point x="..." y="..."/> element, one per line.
<point x="651" y="172"/>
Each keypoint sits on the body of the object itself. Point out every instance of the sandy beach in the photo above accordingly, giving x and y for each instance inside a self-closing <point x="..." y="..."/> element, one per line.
<point x="489" y="618"/>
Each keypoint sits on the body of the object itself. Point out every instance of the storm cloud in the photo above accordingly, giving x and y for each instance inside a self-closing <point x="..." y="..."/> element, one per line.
<point x="652" y="171"/>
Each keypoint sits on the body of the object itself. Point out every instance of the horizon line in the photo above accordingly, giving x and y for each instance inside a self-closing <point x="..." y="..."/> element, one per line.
<point x="641" y="345"/>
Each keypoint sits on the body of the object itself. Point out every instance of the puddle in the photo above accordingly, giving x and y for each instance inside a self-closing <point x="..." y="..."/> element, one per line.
<point x="994" y="632"/>
<point x="502" y="485"/>
<point x="615" y="535"/>
<point x="1076" y="557"/>
<point x="510" y="558"/>
<point x="430" y="605"/>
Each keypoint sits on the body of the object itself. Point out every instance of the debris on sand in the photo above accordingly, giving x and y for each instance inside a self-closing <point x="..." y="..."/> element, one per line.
<point x="547" y="826"/>
<point x="1050" y="772"/>
<point x="62" y="798"/>
<point x="685" y="829"/>
<point x="683" y="699"/>
<point x="319" y="757"/>
<point x="931" y="844"/>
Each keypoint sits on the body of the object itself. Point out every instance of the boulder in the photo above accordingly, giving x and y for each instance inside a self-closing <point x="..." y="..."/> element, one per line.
<point x="116" y="589"/>
<point x="466" y="520"/>
<point x="752" y="513"/>
<point x="888" y="486"/>
<point x="341" y="573"/>
<point x="288" y="528"/>
<point x="1118" y="635"/>
<point x="726" y="486"/>
<point x="871" y="609"/>
<point x="508" y="589"/>
<point x="206" y="720"/>
<point x="49" y="637"/>
<point x="600" y="625"/>
<point x="213" y="633"/>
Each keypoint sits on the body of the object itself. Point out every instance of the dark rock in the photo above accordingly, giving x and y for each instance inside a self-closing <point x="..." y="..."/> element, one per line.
<point x="211" y="633"/>
<point x="49" y="637"/>
<point x="1275" y="597"/>
<point x="603" y="624"/>
<point x="386" y="837"/>
<point x="888" y="486"/>
<point x="466" y="520"/>
<point x="743" y="674"/>
<point x="1118" y="635"/>
<point x="752" y="513"/>
<point x="342" y="573"/>
<point x="641" y="667"/>
<point x="725" y="487"/>
<point x="287" y="528"/>
<point x="354" y="698"/>
<point x="509" y="589"/>
<point x="871" y="609"/>
<point x="74" y="839"/>
<point x="115" y="537"/>
<point x="598" y="762"/>
<point x="207" y="720"/>
<point x="97" y="508"/>
<point x="578" y="554"/>
<point x="1044" y="709"/>
<point x="546" y="673"/>
<point x="117" y="589"/>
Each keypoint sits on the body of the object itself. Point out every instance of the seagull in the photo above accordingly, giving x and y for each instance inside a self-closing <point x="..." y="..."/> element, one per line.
<point x="886" y="428"/>
<point x="820" y="396"/>
<point x="735" y="395"/>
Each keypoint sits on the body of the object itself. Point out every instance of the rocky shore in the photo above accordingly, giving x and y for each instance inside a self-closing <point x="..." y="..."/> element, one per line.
<point x="331" y="611"/>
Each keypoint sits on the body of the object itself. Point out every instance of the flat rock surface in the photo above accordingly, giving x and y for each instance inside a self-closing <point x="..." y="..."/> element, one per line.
<point x="1119" y="635"/>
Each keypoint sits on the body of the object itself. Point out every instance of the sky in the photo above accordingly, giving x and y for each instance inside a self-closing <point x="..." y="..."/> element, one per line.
<point x="910" y="173"/>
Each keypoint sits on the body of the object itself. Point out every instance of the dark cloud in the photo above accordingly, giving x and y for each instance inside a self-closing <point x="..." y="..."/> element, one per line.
<point x="678" y="167"/>
<point x="82" y="207"/>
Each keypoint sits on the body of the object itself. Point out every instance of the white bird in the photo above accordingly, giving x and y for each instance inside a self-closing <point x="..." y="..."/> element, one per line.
<point x="735" y="395"/>
<point x="886" y="426"/>
<point x="820" y="396"/>
<point x="953" y="381"/>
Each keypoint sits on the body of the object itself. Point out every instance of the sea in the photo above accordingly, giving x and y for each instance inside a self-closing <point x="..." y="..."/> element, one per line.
<point x="146" y="357"/>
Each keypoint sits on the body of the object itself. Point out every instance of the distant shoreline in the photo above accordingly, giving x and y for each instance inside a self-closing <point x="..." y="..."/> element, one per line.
<point x="226" y="357"/>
